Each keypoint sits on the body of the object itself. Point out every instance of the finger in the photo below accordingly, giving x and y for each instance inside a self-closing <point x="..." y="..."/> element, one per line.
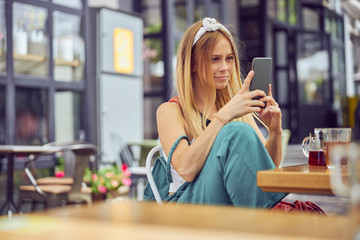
<point x="257" y="103"/>
<point x="270" y="100"/>
<point x="271" y="112"/>
<point x="247" y="81"/>
<point x="257" y="93"/>
<point x="255" y="109"/>
<point x="269" y="93"/>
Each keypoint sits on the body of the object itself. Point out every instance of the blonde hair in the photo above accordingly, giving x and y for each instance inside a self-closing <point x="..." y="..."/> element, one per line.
<point x="187" y="56"/>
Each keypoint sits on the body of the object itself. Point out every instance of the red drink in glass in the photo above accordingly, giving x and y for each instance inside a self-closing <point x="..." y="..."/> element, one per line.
<point x="317" y="158"/>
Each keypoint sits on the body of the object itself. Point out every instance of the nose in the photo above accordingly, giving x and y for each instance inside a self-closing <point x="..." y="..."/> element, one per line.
<point x="223" y="65"/>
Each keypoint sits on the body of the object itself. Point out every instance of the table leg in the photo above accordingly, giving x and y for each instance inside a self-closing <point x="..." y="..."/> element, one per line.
<point x="9" y="202"/>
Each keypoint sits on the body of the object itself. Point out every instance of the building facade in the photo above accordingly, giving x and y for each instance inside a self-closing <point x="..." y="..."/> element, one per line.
<point x="46" y="89"/>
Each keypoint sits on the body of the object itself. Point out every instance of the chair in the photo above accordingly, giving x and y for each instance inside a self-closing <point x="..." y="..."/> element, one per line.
<point x="285" y="137"/>
<point x="124" y="155"/>
<point x="69" y="162"/>
<point x="150" y="178"/>
<point x="52" y="195"/>
<point x="69" y="166"/>
<point x="122" y="151"/>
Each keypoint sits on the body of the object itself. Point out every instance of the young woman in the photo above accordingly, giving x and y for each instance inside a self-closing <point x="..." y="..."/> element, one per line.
<point x="209" y="130"/>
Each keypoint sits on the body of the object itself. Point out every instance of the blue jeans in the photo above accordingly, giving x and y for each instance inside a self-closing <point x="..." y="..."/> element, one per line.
<point x="228" y="176"/>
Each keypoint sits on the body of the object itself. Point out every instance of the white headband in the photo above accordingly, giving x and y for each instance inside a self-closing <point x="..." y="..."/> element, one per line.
<point x="209" y="25"/>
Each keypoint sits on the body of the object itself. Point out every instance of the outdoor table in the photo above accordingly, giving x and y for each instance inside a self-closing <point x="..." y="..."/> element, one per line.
<point x="147" y="220"/>
<point x="11" y="151"/>
<point x="296" y="179"/>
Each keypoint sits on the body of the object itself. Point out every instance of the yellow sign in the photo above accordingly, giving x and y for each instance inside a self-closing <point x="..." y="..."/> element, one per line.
<point x="123" y="50"/>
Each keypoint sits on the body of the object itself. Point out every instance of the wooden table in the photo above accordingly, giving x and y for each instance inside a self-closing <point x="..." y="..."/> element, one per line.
<point x="144" y="220"/>
<point x="296" y="179"/>
<point x="11" y="151"/>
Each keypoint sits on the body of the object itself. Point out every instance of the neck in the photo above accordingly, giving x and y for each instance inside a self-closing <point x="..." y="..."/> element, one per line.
<point x="201" y="101"/>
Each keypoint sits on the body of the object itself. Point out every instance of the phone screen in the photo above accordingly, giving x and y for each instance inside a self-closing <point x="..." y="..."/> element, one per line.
<point x="262" y="74"/>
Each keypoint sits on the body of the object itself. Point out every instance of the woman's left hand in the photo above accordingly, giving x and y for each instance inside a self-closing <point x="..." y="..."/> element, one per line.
<point x="271" y="114"/>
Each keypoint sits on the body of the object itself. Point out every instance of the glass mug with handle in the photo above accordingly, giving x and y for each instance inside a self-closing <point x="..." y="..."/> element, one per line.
<point x="334" y="137"/>
<point x="313" y="149"/>
<point x="327" y="138"/>
<point x="345" y="182"/>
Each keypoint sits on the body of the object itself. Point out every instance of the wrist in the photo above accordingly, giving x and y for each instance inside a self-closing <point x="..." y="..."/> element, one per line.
<point x="221" y="118"/>
<point x="275" y="131"/>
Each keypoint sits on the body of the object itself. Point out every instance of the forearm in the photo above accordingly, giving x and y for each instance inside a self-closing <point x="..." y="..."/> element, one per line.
<point x="191" y="161"/>
<point x="273" y="146"/>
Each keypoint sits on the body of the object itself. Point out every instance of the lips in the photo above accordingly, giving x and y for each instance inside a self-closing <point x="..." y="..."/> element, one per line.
<point x="222" y="77"/>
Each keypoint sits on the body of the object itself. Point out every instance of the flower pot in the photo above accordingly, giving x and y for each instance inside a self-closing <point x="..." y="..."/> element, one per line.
<point x="98" y="197"/>
<point x="122" y="191"/>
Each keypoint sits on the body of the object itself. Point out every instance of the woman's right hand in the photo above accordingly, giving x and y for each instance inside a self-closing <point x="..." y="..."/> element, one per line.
<point x="243" y="103"/>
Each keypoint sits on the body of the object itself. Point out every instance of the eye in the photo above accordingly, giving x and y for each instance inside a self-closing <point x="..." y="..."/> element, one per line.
<point x="230" y="58"/>
<point x="214" y="59"/>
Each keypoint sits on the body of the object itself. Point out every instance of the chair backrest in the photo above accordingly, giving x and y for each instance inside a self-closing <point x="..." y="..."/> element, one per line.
<point x="122" y="151"/>
<point x="149" y="175"/>
<point x="285" y="137"/>
<point x="69" y="157"/>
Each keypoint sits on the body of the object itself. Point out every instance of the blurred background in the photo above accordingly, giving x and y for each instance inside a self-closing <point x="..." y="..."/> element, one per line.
<point x="84" y="69"/>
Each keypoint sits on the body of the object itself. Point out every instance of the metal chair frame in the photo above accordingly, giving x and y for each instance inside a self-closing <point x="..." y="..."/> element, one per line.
<point x="149" y="175"/>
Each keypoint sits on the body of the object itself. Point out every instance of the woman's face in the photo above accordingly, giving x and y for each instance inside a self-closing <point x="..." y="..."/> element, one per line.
<point x="222" y="62"/>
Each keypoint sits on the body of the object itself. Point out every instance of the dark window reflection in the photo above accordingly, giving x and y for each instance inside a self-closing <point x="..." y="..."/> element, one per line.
<point x="31" y="116"/>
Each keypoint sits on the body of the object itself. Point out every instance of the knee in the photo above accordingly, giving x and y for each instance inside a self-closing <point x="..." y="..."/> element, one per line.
<point x="237" y="130"/>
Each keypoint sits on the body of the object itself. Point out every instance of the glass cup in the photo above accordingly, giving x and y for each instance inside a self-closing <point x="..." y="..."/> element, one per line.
<point x="334" y="137"/>
<point x="313" y="149"/>
<point x="345" y="182"/>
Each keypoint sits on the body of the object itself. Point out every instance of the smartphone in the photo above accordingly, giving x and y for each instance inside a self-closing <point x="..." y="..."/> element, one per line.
<point x="262" y="67"/>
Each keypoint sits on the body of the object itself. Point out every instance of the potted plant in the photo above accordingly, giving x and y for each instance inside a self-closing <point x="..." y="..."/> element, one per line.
<point x="108" y="182"/>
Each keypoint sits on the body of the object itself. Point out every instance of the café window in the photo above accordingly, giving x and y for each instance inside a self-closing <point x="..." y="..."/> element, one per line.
<point x="313" y="70"/>
<point x="151" y="10"/>
<point x="180" y="15"/>
<point x="68" y="47"/>
<point x="77" y="4"/>
<point x="68" y="116"/>
<point x="2" y="37"/>
<point x="311" y="19"/>
<point x="30" y="40"/>
<point x="199" y="12"/>
<point x="282" y="11"/>
<point x="154" y="65"/>
<point x="32" y="117"/>
<point x="2" y="115"/>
